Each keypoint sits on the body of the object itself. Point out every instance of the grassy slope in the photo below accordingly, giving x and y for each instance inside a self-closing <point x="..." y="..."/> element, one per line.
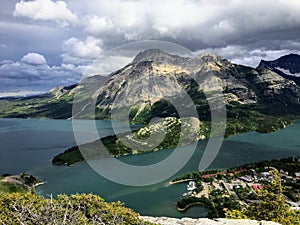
<point x="44" y="106"/>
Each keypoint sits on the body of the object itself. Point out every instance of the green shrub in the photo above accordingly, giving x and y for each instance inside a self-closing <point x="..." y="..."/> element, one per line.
<point x="18" y="208"/>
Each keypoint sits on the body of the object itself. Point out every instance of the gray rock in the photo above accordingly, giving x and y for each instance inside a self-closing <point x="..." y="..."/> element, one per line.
<point x="154" y="75"/>
<point x="204" y="221"/>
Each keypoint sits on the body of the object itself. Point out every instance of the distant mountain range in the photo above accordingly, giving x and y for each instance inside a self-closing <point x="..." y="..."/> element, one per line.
<point x="287" y="66"/>
<point x="148" y="85"/>
<point x="157" y="84"/>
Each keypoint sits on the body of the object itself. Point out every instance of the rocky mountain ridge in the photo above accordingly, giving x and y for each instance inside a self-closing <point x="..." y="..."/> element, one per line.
<point x="287" y="66"/>
<point x="156" y="84"/>
<point x="155" y="76"/>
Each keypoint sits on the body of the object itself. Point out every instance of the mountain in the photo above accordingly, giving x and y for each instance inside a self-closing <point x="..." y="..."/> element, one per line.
<point x="160" y="85"/>
<point x="56" y="104"/>
<point x="157" y="84"/>
<point x="155" y="76"/>
<point x="287" y="66"/>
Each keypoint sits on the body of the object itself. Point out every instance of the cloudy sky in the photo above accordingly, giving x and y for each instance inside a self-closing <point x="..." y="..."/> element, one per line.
<point x="46" y="43"/>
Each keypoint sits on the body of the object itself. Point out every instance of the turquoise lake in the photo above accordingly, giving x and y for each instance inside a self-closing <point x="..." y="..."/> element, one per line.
<point x="28" y="145"/>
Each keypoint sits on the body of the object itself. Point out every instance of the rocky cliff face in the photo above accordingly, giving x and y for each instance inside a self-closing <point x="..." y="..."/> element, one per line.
<point x="155" y="76"/>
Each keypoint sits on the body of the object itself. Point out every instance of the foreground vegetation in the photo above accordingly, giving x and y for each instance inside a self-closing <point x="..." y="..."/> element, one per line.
<point x="28" y="208"/>
<point x="19" y="204"/>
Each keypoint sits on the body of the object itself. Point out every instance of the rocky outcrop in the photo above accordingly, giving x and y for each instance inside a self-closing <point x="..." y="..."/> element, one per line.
<point x="61" y="90"/>
<point x="204" y="221"/>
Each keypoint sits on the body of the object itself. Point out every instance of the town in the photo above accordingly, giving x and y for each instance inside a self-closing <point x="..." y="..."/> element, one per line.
<point x="236" y="187"/>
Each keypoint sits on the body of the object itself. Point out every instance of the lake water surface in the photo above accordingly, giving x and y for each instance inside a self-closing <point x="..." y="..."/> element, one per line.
<point x="29" y="146"/>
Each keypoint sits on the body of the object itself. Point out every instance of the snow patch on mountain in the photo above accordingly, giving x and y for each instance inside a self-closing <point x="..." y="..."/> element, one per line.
<point x="287" y="72"/>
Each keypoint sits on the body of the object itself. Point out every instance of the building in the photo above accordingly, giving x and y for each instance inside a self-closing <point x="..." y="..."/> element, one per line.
<point x="192" y="186"/>
<point x="254" y="187"/>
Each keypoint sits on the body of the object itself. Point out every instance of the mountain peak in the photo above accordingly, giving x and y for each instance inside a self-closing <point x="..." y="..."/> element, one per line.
<point x="155" y="55"/>
<point x="293" y="58"/>
<point x="208" y="57"/>
<point x="288" y="66"/>
<point x="152" y="51"/>
<point x="286" y="59"/>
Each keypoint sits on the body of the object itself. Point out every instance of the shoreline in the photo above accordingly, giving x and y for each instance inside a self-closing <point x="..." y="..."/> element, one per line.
<point x="144" y="152"/>
<point x="285" y="125"/>
<point x="179" y="181"/>
<point x="39" y="184"/>
<point x="188" y="206"/>
<point x="226" y="188"/>
<point x="24" y="181"/>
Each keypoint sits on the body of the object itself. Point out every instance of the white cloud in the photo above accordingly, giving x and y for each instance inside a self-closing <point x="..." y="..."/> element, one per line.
<point x="19" y="93"/>
<point x="75" y="50"/>
<point x="68" y="66"/>
<point x="34" y="58"/>
<point x="2" y="62"/>
<point x="45" y="10"/>
<point x="194" y="24"/>
<point x="97" y="25"/>
<point x="204" y="23"/>
<point x="107" y="64"/>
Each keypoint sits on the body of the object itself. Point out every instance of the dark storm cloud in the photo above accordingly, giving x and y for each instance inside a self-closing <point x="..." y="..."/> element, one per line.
<point x="262" y="29"/>
<point x="76" y="32"/>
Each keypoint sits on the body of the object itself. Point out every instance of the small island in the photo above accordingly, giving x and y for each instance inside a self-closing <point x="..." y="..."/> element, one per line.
<point x="235" y="188"/>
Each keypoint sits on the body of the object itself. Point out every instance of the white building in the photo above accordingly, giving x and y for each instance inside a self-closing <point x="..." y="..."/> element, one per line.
<point x="192" y="186"/>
